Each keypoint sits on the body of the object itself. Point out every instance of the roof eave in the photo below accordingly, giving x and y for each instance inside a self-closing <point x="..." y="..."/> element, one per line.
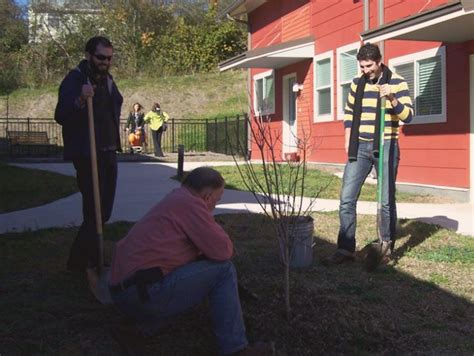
<point x="430" y="25"/>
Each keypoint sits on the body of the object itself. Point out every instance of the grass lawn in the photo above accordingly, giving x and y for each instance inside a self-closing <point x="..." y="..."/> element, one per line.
<point x="22" y="188"/>
<point x="420" y="303"/>
<point x="317" y="180"/>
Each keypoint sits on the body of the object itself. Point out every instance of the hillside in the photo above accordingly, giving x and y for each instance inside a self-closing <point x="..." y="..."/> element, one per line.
<point x="185" y="97"/>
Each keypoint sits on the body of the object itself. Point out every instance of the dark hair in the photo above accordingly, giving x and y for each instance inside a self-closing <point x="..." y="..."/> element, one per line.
<point x="140" y="107"/>
<point x="156" y="106"/>
<point x="203" y="177"/>
<point x="92" y="44"/>
<point x="369" y="52"/>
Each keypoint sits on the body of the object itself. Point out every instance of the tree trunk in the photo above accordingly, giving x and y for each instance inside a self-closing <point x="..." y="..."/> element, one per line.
<point x="287" y="281"/>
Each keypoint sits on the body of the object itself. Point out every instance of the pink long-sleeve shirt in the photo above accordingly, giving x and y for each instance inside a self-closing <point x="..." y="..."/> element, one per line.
<point x="173" y="233"/>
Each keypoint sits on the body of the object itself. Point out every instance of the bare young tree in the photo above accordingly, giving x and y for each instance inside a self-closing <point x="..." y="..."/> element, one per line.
<point x="278" y="185"/>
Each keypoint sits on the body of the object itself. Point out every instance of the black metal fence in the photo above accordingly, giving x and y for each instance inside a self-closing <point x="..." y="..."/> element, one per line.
<point x="43" y="137"/>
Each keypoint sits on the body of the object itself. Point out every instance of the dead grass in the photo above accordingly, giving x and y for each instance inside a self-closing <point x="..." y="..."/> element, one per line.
<point x="184" y="97"/>
<point x="415" y="305"/>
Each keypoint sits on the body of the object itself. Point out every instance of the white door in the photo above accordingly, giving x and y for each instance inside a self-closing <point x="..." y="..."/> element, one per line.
<point x="290" y="138"/>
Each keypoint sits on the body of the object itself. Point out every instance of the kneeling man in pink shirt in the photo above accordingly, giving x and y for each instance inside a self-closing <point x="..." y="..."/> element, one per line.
<point x="174" y="258"/>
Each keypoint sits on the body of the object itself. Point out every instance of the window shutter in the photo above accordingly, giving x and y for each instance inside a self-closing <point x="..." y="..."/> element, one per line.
<point x="346" y="88"/>
<point x="428" y="100"/>
<point x="269" y="94"/>
<point x="407" y="71"/>
<point x="348" y="70"/>
<point x="324" y="101"/>
<point x="348" y="65"/>
<point x="323" y="73"/>
<point x="259" y="93"/>
<point x="323" y="79"/>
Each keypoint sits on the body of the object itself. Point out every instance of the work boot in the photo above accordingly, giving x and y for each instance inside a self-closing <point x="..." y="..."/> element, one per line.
<point x="339" y="257"/>
<point x="257" y="349"/>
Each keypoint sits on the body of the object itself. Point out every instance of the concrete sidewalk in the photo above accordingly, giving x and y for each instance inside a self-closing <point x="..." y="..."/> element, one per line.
<point x="141" y="185"/>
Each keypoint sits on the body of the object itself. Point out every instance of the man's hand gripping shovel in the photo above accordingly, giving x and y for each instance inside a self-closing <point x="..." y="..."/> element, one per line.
<point x="379" y="249"/>
<point x="99" y="277"/>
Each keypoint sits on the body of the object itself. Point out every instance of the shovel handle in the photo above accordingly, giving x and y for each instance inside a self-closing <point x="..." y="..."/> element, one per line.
<point x="380" y="175"/>
<point x="95" y="180"/>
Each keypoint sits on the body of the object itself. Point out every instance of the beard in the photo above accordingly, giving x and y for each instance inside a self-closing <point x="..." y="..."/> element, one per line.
<point x="101" y="70"/>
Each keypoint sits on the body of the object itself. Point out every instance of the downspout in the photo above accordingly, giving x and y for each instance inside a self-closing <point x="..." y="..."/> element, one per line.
<point x="381" y="22"/>
<point x="366" y="15"/>
<point x="471" y="139"/>
<point x="249" y="97"/>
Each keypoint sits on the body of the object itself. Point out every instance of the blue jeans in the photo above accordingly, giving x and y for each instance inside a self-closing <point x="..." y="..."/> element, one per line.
<point x="355" y="174"/>
<point x="182" y="289"/>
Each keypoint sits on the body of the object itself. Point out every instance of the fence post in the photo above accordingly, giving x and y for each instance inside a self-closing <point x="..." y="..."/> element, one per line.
<point x="215" y="134"/>
<point x="28" y="129"/>
<point x="172" y="135"/>
<point x="226" y="134"/>
<point x="237" y="129"/>
<point x="207" y="135"/>
<point x="180" y="161"/>
<point x="246" y="130"/>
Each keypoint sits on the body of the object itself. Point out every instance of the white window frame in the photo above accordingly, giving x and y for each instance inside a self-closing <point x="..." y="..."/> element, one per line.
<point x="339" y="51"/>
<point x="270" y="73"/>
<point x="413" y="58"/>
<point x="330" y="116"/>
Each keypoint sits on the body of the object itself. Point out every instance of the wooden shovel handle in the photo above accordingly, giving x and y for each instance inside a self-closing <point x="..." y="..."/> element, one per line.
<point x="95" y="180"/>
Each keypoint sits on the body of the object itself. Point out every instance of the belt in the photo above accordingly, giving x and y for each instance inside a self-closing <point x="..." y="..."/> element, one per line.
<point x="141" y="279"/>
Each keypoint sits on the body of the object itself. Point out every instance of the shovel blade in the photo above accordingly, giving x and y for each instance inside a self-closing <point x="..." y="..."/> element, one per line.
<point x="99" y="285"/>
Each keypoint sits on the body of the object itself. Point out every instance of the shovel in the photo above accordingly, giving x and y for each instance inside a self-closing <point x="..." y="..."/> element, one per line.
<point x="97" y="277"/>
<point x="377" y="250"/>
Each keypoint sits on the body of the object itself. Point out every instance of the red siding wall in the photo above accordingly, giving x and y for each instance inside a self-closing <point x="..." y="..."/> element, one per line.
<point x="334" y="24"/>
<point x="275" y="22"/>
<point x="436" y="154"/>
<point x="300" y="17"/>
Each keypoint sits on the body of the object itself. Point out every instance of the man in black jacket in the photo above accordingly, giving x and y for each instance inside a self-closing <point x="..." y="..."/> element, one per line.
<point x="91" y="78"/>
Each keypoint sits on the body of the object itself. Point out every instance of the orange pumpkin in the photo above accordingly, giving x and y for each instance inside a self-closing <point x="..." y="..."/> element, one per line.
<point x="135" y="139"/>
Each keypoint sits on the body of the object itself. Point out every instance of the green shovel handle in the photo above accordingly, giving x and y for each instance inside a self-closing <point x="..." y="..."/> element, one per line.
<point x="381" y="150"/>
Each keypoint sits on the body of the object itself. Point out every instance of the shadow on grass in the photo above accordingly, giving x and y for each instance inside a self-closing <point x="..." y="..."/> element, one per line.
<point x="415" y="235"/>
<point x="341" y="310"/>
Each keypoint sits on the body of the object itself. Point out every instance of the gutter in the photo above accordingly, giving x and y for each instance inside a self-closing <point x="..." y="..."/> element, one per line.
<point x="226" y="12"/>
<point x="229" y="16"/>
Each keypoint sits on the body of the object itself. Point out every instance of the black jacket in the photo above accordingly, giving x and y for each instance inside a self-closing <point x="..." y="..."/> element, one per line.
<point x="74" y="119"/>
<point x="131" y="124"/>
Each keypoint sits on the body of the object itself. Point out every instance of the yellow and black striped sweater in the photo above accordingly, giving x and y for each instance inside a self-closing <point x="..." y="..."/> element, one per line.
<point x="403" y="111"/>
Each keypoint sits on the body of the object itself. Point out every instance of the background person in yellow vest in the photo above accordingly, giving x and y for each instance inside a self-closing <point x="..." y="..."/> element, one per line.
<point x="156" y="120"/>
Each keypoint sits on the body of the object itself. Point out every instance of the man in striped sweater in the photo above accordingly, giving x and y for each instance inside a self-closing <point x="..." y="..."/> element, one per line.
<point x="362" y="125"/>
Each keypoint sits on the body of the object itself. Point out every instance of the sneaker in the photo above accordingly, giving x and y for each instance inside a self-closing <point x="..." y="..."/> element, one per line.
<point x="258" y="349"/>
<point x="339" y="257"/>
<point x="130" y="341"/>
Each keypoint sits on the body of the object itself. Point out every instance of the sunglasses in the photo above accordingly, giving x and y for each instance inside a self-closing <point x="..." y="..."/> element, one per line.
<point x="101" y="57"/>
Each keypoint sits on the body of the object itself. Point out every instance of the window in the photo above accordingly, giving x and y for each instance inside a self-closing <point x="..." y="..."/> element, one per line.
<point x="264" y="93"/>
<point x="348" y="68"/>
<point x="323" y="82"/>
<point x="425" y="73"/>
